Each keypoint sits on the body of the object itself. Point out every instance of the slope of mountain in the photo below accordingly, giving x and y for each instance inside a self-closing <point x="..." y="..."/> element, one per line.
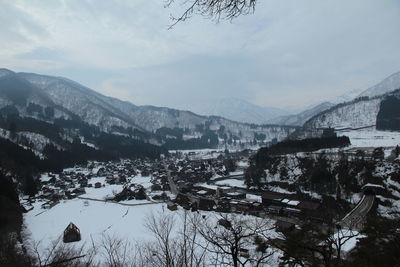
<point x="348" y="96"/>
<point x="388" y="117"/>
<point x="355" y="114"/>
<point x="237" y="110"/>
<point x="73" y="104"/>
<point x="389" y="84"/>
<point x="89" y="105"/>
<point x="360" y="112"/>
<point x="4" y="72"/>
<point x="300" y="118"/>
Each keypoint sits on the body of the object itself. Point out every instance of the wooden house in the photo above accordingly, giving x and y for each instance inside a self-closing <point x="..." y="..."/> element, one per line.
<point x="71" y="234"/>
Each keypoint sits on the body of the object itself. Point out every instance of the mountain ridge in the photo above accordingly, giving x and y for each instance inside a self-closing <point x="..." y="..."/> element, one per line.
<point x="237" y="110"/>
<point x="70" y="100"/>
<point x="387" y="85"/>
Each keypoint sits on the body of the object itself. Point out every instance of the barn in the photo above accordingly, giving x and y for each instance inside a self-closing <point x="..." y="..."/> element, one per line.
<point x="71" y="233"/>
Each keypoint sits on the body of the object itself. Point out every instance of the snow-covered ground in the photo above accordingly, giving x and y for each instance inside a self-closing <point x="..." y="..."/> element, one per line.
<point x="372" y="138"/>
<point x="98" y="220"/>
<point x="107" y="190"/>
<point x="353" y="237"/>
<point x="102" y="192"/>
<point x="232" y="183"/>
<point x="93" y="218"/>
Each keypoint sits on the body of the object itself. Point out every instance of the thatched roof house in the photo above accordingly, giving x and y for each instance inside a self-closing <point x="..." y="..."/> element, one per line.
<point x="71" y="233"/>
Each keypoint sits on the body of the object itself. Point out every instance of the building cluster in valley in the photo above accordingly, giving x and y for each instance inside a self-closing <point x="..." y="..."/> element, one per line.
<point x="211" y="184"/>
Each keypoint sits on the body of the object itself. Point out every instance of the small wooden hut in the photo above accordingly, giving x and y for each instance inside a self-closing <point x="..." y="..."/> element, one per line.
<point x="71" y="233"/>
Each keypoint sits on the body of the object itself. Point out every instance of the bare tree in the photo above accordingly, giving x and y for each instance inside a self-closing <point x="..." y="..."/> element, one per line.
<point x="192" y="253"/>
<point x="59" y="254"/>
<point x="116" y="251"/>
<point x="230" y="240"/>
<point x="214" y="9"/>
<point x="314" y="246"/>
<point x="164" y="250"/>
<point x="172" y="246"/>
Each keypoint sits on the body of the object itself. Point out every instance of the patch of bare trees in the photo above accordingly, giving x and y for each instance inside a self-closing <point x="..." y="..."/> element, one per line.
<point x="235" y="240"/>
<point x="313" y="246"/>
<point x="172" y="246"/>
<point x="61" y="255"/>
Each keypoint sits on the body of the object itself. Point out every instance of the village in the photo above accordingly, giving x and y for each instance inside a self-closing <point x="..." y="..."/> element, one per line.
<point x="212" y="181"/>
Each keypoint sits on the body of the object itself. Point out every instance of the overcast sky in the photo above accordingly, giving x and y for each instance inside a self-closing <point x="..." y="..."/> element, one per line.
<point x="290" y="53"/>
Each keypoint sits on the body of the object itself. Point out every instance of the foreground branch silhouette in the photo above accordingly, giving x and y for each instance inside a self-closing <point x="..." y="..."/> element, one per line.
<point x="213" y="9"/>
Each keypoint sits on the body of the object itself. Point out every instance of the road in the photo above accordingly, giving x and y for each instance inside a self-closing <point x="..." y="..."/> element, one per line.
<point x="172" y="185"/>
<point x="356" y="215"/>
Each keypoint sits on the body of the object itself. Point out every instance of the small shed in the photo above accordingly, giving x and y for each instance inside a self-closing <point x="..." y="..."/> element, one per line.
<point x="71" y="233"/>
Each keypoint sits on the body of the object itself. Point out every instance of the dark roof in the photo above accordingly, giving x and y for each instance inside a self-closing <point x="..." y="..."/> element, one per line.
<point x="284" y="224"/>
<point x="308" y="205"/>
<point x="273" y="195"/>
<point x="71" y="228"/>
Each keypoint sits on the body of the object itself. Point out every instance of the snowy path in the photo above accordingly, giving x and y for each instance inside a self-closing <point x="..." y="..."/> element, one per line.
<point x="119" y="203"/>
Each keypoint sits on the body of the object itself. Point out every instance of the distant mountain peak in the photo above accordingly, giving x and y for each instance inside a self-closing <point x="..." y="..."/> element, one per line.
<point x="4" y="72"/>
<point x="300" y="118"/>
<point x="389" y="84"/>
<point x="237" y="109"/>
<point x="347" y="96"/>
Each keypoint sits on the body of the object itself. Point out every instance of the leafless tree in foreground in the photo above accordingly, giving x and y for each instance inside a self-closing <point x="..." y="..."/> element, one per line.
<point x="312" y="246"/>
<point x="185" y="239"/>
<point x="235" y="240"/>
<point x="60" y="254"/>
<point x="214" y="9"/>
<point x="116" y="252"/>
<point x="171" y="246"/>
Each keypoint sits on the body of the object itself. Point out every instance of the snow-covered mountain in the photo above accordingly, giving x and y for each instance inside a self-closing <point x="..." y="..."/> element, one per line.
<point x="237" y="109"/>
<point x="4" y="72"/>
<point x="348" y="96"/>
<point x="300" y="118"/>
<point x="355" y="114"/>
<point x="389" y="84"/>
<point x="360" y="112"/>
<point x="92" y="107"/>
<point x="70" y="99"/>
<point x="358" y="115"/>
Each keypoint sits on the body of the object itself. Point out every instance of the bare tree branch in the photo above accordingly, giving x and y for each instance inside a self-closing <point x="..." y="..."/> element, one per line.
<point x="213" y="9"/>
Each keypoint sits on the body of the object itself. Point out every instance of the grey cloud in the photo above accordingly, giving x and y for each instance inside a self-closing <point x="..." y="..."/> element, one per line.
<point x="289" y="53"/>
<point x="17" y="25"/>
<point x="42" y="53"/>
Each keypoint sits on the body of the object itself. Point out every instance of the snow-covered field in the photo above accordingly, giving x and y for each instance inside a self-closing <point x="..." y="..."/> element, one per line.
<point x="94" y="220"/>
<point x="232" y="183"/>
<point x="372" y="138"/>
<point x="98" y="220"/>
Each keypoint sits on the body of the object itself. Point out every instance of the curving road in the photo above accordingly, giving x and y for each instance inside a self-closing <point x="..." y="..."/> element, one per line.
<point x="356" y="215"/>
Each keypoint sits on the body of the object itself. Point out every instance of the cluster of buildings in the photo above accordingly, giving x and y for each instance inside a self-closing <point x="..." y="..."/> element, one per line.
<point x="198" y="184"/>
